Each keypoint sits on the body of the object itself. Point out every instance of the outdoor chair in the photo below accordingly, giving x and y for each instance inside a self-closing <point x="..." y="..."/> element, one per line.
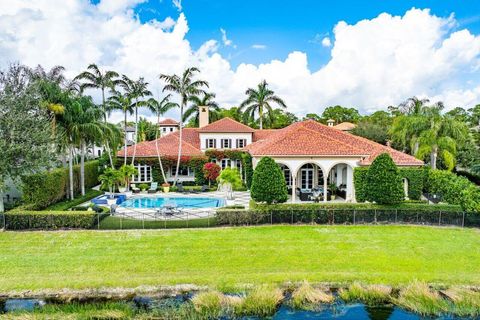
<point x="134" y="188"/>
<point x="180" y="188"/>
<point x="205" y="188"/>
<point x="153" y="187"/>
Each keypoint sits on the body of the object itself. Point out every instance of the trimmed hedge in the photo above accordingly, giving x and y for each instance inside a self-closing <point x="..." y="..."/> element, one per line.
<point x="454" y="189"/>
<point x="415" y="177"/>
<point x="268" y="184"/>
<point x="27" y="220"/>
<point x="383" y="181"/>
<point x="43" y="189"/>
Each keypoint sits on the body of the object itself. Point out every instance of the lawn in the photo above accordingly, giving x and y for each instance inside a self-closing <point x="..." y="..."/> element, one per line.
<point x="225" y="257"/>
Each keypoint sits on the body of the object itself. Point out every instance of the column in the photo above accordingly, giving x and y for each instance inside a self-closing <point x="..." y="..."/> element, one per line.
<point x="350" y="188"/>
<point x="294" y="186"/>
<point x="325" y="186"/>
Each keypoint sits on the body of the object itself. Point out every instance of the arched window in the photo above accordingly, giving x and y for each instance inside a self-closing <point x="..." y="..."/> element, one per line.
<point x="287" y="174"/>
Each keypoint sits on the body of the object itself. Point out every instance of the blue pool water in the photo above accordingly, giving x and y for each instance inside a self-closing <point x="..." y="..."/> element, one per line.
<point x="182" y="202"/>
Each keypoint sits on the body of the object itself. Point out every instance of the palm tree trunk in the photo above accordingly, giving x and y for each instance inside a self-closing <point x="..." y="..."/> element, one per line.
<point x="70" y="172"/>
<point x="158" y="151"/>
<point x="136" y="134"/>
<point x="180" y="131"/>
<point x="125" y="140"/>
<point x="260" y="113"/>
<point x="433" y="158"/>
<point x="107" y="147"/>
<point x="2" y="207"/>
<point x="82" y="167"/>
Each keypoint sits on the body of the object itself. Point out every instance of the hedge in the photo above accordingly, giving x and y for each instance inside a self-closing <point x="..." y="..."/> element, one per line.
<point x="415" y="177"/>
<point x="454" y="189"/>
<point x="27" y="220"/>
<point x="43" y="189"/>
<point x="268" y="184"/>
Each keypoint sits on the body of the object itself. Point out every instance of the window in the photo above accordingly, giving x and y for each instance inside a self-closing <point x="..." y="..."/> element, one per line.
<point x="164" y="129"/>
<point x="99" y="152"/>
<point x="171" y="129"/>
<point x="183" y="171"/>
<point x="226" y="163"/>
<point x="211" y="143"/>
<point x="241" y="143"/>
<point x="286" y="174"/>
<point x="226" y="143"/>
<point x="144" y="173"/>
<point x="307" y="176"/>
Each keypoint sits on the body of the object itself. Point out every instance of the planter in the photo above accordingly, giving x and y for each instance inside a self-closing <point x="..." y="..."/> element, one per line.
<point x="122" y="189"/>
<point x="332" y="197"/>
<point x="111" y="201"/>
<point x="166" y="189"/>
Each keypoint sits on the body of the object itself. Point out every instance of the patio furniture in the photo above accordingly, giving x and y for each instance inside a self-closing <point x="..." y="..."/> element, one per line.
<point x="180" y="188"/>
<point x="205" y="188"/>
<point x="134" y="188"/>
<point x="153" y="187"/>
<point x="305" y="194"/>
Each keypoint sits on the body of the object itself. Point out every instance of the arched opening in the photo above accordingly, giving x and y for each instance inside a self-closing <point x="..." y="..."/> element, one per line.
<point x="287" y="174"/>
<point x="340" y="182"/>
<point x="310" y="183"/>
<point x="405" y="188"/>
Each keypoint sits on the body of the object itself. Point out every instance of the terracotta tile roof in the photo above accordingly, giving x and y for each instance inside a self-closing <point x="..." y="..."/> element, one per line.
<point x="168" y="145"/>
<point x="168" y="122"/>
<point x="226" y="125"/>
<point x="345" y="126"/>
<point x="263" y="134"/>
<point x="312" y="138"/>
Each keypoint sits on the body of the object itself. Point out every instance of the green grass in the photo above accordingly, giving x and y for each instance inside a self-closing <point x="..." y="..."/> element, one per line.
<point x="225" y="257"/>
<point x="116" y="223"/>
<point x="67" y="204"/>
<point x="370" y="294"/>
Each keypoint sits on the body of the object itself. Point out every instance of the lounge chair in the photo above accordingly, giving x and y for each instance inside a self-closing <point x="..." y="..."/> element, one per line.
<point x="180" y="188"/>
<point x="134" y="188"/>
<point x="153" y="187"/>
<point x="205" y="188"/>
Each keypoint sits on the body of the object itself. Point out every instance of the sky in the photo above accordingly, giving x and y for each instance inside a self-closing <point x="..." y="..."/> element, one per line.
<point x="366" y="54"/>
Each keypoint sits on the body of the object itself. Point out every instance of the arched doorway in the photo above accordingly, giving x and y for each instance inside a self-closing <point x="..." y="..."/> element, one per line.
<point x="287" y="174"/>
<point x="340" y="182"/>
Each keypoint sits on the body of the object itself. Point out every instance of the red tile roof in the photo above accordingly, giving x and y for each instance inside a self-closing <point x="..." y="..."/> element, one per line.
<point x="306" y="138"/>
<point x="345" y="126"/>
<point x="226" y="125"/>
<point x="168" y="122"/>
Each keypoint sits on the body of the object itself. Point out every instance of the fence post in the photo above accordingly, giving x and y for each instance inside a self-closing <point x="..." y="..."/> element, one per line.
<point x="354" y="213"/>
<point x="98" y="221"/>
<point x="165" y="221"/>
<point x="121" y="226"/>
<point x="187" y="218"/>
<point x="440" y="218"/>
<point x="4" y="221"/>
<point x="396" y="216"/>
<point x="291" y="214"/>
<point x="271" y="217"/>
<point x="143" y="220"/>
<point x="463" y="219"/>
<point x="333" y="217"/>
<point x="375" y="217"/>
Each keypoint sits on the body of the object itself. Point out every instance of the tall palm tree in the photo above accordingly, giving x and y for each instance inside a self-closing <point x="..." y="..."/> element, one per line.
<point x="94" y="78"/>
<point x="159" y="107"/>
<point x="136" y="91"/>
<point x="258" y="101"/>
<point x="123" y="102"/>
<point x="185" y="87"/>
<point x="205" y="100"/>
<point x="55" y="74"/>
<point x="413" y="106"/>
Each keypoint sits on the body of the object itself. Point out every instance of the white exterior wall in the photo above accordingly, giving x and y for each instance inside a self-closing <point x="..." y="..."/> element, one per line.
<point x="219" y="136"/>
<point x="164" y="130"/>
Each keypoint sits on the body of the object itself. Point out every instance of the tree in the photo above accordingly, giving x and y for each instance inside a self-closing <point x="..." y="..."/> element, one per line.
<point x="383" y="181"/>
<point x="341" y="114"/>
<point x="259" y="101"/>
<point x="25" y="139"/>
<point x="268" y="182"/>
<point x="204" y="100"/>
<point x="55" y="74"/>
<point x="185" y="87"/>
<point x="229" y="180"/>
<point x="280" y="119"/>
<point x="127" y="171"/>
<point x="312" y="116"/>
<point x="123" y="102"/>
<point x="459" y="114"/>
<point x="211" y="171"/>
<point x="411" y="106"/>
<point x="94" y="78"/>
<point x="110" y="179"/>
<point x="374" y="127"/>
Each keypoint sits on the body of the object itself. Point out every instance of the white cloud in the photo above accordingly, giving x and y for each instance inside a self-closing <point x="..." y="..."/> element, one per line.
<point x="374" y="63"/>
<point x="259" y="46"/>
<point x="226" y="42"/>
<point x="177" y="4"/>
<point x="326" y="42"/>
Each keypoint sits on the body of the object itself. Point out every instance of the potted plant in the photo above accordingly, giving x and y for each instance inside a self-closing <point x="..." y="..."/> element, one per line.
<point x="127" y="171"/>
<point x="229" y="180"/>
<point x="166" y="187"/>
<point x="333" y="189"/>
<point x="110" y="179"/>
<point x="143" y="187"/>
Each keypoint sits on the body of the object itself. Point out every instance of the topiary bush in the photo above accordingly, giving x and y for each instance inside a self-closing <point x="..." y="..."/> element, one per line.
<point x="359" y="177"/>
<point x="383" y="182"/>
<point x="268" y="182"/>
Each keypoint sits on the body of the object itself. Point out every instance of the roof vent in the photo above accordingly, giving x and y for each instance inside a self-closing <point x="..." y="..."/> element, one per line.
<point x="330" y="122"/>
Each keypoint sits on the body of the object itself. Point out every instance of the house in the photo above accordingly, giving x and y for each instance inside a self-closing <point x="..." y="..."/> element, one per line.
<point x="310" y="154"/>
<point x="167" y="126"/>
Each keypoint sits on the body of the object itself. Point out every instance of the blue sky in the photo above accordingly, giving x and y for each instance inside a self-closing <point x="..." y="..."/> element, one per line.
<point x="284" y="26"/>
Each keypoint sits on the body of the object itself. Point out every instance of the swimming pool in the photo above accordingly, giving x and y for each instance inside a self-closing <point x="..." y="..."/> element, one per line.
<point x="183" y="202"/>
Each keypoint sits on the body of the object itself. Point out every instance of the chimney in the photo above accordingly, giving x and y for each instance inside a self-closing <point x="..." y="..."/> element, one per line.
<point x="202" y="116"/>
<point x="330" y="122"/>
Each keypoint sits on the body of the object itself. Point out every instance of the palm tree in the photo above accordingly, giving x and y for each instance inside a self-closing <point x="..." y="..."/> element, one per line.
<point x="185" y="87"/>
<point x="159" y="107"/>
<point x="55" y="74"/>
<point x="413" y="106"/>
<point x="135" y="90"/>
<point x="206" y="100"/>
<point x="259" y="100"/>
<point x="119" y="101"/>
<point x="94" y="78"/>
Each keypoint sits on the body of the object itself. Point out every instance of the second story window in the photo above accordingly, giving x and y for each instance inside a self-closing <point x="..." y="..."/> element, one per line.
<point x="211" y="143"/>
<point x="226" y="143"/>
<point x="241" y="143"/>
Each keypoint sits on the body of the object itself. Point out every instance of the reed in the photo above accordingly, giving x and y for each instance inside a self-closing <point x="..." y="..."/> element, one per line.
<point x="368" y="294"/>
<point x="262" y="301"/>
<point x="419" y="298"/>
<point x="466" y="303"/>
<point x="307" y="297"/>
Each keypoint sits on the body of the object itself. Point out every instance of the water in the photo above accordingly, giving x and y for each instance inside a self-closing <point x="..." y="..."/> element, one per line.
<point x="183" y="202"/>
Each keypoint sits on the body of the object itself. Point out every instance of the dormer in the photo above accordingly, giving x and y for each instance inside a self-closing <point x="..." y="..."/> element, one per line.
<point x="225" y="133"/>
<point x="167" y="126"/>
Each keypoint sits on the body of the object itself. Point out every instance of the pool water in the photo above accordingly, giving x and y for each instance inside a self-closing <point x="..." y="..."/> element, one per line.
<point x="182" y="202"/>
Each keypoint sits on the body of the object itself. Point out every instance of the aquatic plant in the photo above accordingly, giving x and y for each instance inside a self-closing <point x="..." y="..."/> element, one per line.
<point x="419" y="298"/>
<point x="306" y="297"/>
<point x="261" y="301"/>
<point x="209" y="303"/>
<point x="368" y="294"/>
<point x="466" y="303"/>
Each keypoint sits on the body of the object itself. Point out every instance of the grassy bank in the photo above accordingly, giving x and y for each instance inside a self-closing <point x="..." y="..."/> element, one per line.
<point x="67" y="204"/>
<point x="225" y="257"/>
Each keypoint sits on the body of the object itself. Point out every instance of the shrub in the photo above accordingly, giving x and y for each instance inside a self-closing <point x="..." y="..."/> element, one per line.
<point x="268" y="183"/>
<point x="211" y="171"/>
<point x="24" y="220"/>
<point x="359" y="179"/>
<point x="208" y="304"/>
<point x="261" y="301"/>
<point x="466" y="302"/>
<point x="418" y="297"/>
<point x="370" y="294"/>
<point x="307" y="297"/>
<point x="415" y="177"/>
<point x="384" y="185"/>
<point x="454" y="189"/>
